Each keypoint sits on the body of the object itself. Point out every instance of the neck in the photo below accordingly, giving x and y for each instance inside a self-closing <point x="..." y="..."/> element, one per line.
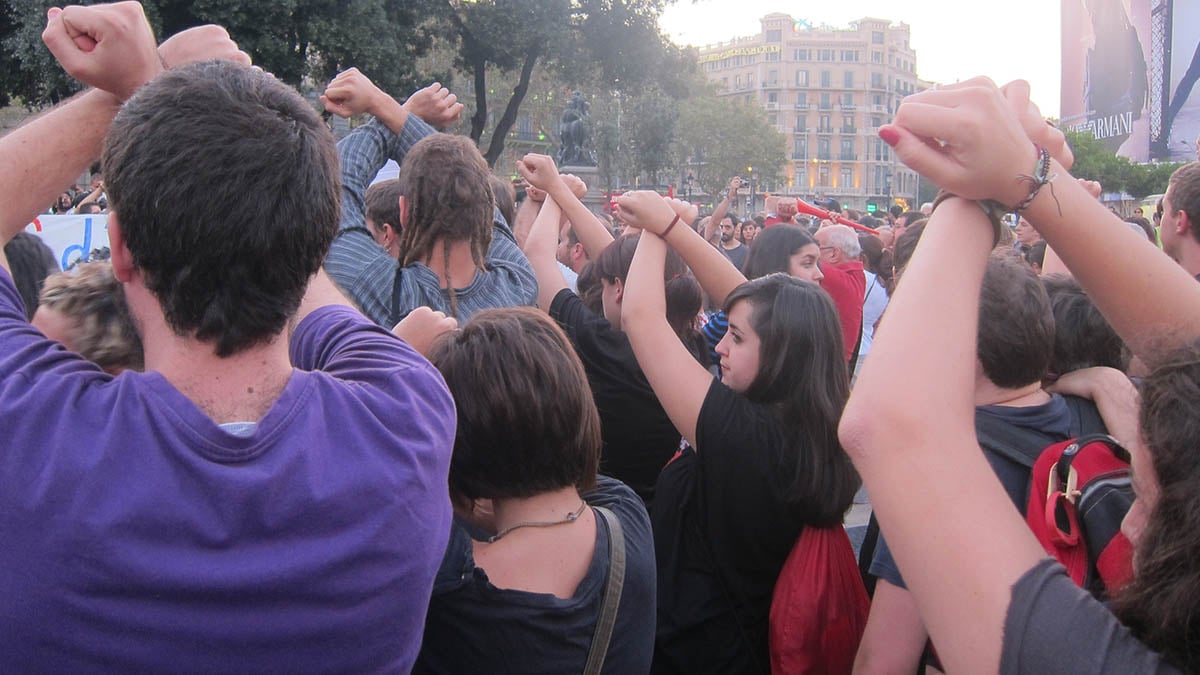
<point x="1189" y="256"/>
<point x="461" y="270"/>
<point x="731" y="244"/>
<point x="546" y="507"/>
<point x="1030" y="395"/>
<point x="239" y="388"/>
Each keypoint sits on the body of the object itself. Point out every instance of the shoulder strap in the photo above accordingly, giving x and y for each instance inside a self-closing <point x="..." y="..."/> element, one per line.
<point x="396" y="295"/>
<point x="1010" y="441"/>
<point x="612" y="592"/>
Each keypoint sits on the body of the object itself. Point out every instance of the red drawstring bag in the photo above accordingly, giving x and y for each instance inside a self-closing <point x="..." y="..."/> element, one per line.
<point x="819" y="607"/>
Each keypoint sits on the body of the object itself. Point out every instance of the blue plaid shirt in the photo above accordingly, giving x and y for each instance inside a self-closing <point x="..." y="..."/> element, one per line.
<point x="365" y="271"/>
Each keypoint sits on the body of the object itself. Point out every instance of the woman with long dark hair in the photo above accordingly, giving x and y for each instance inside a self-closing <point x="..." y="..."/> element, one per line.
<point x="763" y="460"/>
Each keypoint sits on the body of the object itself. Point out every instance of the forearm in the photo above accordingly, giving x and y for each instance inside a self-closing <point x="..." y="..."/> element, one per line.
<point x="526" y="214"/>
<point x="47" y="154"/>
<point x="390" y="112"/>
<point x="718" y="215"/>
<point x="716" y="274"/>
<point x="540" y="247"/>
<point x="588" y="229"/>
<point x="907" y="375"/>
<point x="1119" y="268"/>
<point x="321" y="292"/>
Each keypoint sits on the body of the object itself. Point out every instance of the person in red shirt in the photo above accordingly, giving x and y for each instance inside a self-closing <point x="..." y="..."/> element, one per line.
<point x="844" y="280"/>
<point x="785" y="214"/>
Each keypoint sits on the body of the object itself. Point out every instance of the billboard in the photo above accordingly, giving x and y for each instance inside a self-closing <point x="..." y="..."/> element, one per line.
<point x="1128" y="71"/>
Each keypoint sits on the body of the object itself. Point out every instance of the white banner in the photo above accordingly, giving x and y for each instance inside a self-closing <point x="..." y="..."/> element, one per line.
<point x="71" y="237"/>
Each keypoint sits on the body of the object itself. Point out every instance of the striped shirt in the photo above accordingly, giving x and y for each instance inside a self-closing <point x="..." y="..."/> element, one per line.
<point x="365" y="271"/>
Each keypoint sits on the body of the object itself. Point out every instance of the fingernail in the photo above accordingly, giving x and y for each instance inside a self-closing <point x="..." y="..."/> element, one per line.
<point x="889" y="136"/>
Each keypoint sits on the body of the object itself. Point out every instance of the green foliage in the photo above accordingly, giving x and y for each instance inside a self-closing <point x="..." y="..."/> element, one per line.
<point x="725" y="139"/>
<point x="294" y="39"/>
<point x="1115" y="173"/>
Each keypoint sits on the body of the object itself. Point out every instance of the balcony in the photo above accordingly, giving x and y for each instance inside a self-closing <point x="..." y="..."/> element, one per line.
<point x="825" y="106"/>
<point x="849" y="106"/>
<point x="824" y="130"/>
<point x="824" y="156"/>
<point x="800" y="156"/>
<point x="849" y="131"/>
<point x="772" y="105"/>
<point x="801" y="130"/>
<point x="802" y="106"/>
<point x="847" y="157"/>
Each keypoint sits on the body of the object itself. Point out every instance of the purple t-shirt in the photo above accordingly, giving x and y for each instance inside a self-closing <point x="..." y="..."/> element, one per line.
<point x="137" y="536"/>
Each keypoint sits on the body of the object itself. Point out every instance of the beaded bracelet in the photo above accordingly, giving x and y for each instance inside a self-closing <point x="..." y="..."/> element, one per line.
<point x="1041" y="176"/>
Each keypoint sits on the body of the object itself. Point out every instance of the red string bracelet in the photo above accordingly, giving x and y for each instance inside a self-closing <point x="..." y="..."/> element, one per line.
<point x="668" y="230"/>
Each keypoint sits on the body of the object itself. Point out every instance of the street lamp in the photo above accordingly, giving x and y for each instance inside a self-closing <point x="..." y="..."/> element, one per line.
<point x="690" y="178"/>
<point x="750" y="196"/>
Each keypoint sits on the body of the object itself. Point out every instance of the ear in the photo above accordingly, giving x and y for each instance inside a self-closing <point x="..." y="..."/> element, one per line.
<point x="1183" y="224"/>
<point x="390" y="234"/>
<point x="122" y="259"/>
<point x="620" y="286"/>
<point x="403" y="211"/>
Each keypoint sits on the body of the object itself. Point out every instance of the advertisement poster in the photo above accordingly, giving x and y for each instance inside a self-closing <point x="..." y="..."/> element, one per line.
<point x="1106" y="74"/>
<point x="1181" y="118"/>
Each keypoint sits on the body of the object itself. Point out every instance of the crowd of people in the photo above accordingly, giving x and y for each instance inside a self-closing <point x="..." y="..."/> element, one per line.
<point x="302" y="422"/>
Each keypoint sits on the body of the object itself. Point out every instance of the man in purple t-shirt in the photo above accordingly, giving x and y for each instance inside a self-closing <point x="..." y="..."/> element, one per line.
<point x="270" y="495"/>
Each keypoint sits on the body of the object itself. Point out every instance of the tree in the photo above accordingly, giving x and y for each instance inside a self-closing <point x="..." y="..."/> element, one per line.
<point x="724" y="139"/>
<point x="1115" y="173"/>
<point x="294" y="39"/>
<point x="579" y="40"/>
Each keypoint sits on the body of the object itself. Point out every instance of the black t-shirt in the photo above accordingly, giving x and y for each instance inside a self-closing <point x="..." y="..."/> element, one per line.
<point x="1053" y="626"/>
<point x="722" y="531"/>
<point x="737" y="255"/>
<point x="474" y="627"/>
<point x="638" y="436"/>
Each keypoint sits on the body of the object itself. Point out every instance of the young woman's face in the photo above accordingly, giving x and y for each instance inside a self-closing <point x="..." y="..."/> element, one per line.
<point x="804" y="263"/>
<point x="1145" y="490"/>
<point x="739" y="349"/>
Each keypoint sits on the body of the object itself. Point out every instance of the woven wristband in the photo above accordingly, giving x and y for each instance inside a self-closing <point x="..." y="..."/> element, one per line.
<point x="993" y="210"/>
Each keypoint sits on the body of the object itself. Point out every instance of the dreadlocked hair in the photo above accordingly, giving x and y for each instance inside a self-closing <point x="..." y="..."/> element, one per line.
<point x="444" y="180"/>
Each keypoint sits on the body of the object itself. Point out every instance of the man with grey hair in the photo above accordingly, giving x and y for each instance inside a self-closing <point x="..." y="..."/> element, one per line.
<point x="844" y="281"/>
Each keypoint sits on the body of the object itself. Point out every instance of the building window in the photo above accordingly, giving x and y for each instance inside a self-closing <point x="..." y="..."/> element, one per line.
<point x="826" y="78"/>
<point x="848" y="79"/>
<point x="877" y="80"/>
<point x="876" y="121"/>
<point x="801" y="55"/>
<point x="847" y="149"/>
<point x="774" y="35"/>
<point x="847" y="124"/>
<point x="801" y="78"/>
<point x="800" y="149"/>
<point x="801" y="123"/>
<point x="846" y="180"/>
<point x="824" y="54"/>
<point x="772" y="56"/>
<point x="876" y="99"/>
<point x="802" y="98"/>
<point x="849" y="55"/>
<point x="772" y="97"/>
<point x="877" y="37"/>
<point x="823" y="176"/>
<point x="848" y="100"/>
<point x="773" y="77"/>
<point x="825" y="101"/>
<point x="824" y="124"/>
<point x="823" y="148"/>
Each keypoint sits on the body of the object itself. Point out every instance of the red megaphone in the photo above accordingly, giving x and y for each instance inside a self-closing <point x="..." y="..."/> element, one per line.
<point x="810" y="210"/>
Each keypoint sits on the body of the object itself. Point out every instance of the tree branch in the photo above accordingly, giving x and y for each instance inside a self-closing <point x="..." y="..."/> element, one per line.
<point x="514" y="103"/>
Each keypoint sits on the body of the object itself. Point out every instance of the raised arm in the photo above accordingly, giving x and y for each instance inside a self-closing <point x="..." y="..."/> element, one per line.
<point x="722" y="209"/>
<point x="716" y="274"/>
<point x="542" y="240"/>
<point x="594" y="236"/>
<point x="678" y="380"/>
<point x="109" y="47"/>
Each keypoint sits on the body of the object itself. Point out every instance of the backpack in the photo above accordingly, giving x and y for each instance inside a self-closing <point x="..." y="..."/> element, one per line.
<point x="1079" y="492"/>
<point x="819" y="606"/>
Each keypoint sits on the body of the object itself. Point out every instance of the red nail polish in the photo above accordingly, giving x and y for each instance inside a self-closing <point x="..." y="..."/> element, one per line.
<point x="889" y="136"/>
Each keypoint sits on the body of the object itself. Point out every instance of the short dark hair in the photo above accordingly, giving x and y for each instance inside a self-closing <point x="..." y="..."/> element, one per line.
<point x="30" y="260"/>
<point x="911" y="217"/>
<point x="772" y="249"/>
<point x="1083" y="338"/>
<point x="872" y="250"/>
<point x="1036" y="255"/>
<point x="896" y="210"/>
<point x="382" y="201"/>
<point x="1016" y="326"/>
<point x="905" y="246"/>
<point x="226" y="187"/>
<point x="527" y="423"/>
<point x="1183" y="189"/>
<point x="802" y="379"/>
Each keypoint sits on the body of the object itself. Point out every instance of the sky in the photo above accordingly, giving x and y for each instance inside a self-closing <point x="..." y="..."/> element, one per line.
<point x="955" y="40"/>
